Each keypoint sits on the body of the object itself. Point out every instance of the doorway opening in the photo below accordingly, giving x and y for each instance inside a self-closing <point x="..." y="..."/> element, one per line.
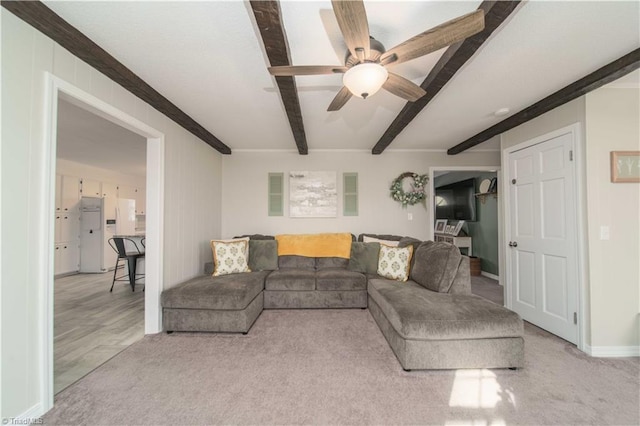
<point x="100" y="195"/>
<point x="466" y="211"/>
<point x="58" y="93"/>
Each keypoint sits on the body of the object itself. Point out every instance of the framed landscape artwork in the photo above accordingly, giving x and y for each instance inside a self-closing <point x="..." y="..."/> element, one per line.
<point x="625" y="166"/>
<point x="313" y="194"/>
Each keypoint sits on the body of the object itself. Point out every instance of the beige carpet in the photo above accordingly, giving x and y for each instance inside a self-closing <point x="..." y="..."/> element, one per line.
<point x="488" y="288"/>
<point x="335" y="367"/>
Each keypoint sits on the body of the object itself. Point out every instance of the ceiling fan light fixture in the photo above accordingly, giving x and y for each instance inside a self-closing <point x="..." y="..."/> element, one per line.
<point x="364" y="80"/>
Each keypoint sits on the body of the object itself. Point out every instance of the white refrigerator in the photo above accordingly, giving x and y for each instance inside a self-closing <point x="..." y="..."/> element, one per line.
<point x="101" y="219"/>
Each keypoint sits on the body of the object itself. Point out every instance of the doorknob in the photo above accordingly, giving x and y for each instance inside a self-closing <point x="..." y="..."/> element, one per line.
<point x="513" y="244"/>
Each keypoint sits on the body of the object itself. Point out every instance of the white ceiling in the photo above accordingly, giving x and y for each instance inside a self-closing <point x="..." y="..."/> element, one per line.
<point x="207" y="57"/>
<point x="88" y="139"/>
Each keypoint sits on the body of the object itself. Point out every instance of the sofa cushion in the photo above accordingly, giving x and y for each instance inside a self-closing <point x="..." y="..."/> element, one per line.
<point x="233" y="240"/>
<point x="263" y="255"/>
<point x="420" y="314"/>
<point x="230" y="257"/>
<point x="297" y="262"/>
<point x="390" y="243"/>
<point x="436" y="265"/>
<point x="257" y="237"/>
<point x="331" y="262"/>
<point x="394" y="262"/>
<point x="291" y="279"/>
<point x="408" y="241"/>
<point x="364" y="257"/>
<point x="386" y="237"/>
<point x="340" y="279"/>
<point x="228" y="292"/>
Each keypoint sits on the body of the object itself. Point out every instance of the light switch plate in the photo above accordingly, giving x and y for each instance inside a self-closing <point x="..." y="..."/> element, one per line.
<point x="604" y="233"/>
<point x="410" y="216"/>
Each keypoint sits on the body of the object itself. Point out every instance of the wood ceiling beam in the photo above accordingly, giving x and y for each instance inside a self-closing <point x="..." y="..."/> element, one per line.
<point x="49" y="23"/>
<point x="610" y="72"/>
<point x="496" y="12"/>
<point x="269" y="21"/>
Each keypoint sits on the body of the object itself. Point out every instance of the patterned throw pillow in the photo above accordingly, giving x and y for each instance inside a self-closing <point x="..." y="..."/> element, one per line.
<point x="393" y="262"/>
<point x="229" y="258"/>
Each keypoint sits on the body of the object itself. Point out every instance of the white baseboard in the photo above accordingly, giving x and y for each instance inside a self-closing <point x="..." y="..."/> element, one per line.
<point x="488" y="275"/>
<point x="28" y="417"/>
<point x="612" y="351"/>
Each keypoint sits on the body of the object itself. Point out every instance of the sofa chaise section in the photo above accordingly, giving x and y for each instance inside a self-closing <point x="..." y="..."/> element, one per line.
<point x="432" y="321"/>
<point x="430" y="330"/>
<point x="229" y="303"/>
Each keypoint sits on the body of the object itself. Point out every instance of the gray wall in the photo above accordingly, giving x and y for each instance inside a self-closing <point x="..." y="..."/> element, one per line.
<point x="483" y="232"/>
<point x="245" y="190"/>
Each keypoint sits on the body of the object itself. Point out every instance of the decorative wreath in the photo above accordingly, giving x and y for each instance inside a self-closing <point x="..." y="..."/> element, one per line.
<point x="417" y="189"/>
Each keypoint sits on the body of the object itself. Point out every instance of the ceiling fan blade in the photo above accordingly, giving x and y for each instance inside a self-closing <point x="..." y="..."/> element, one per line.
<point x="341" y="98"/>
<point x="404" y="88"/>
<point x="306" y="70"/>
<point x="438" y="37"/>
<point x="352" y="20"/>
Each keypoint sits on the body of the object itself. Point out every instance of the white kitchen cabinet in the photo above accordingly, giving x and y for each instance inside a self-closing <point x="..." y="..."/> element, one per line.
<point x="91" y="188"/>
<point x="69" y="227"/>
<point x="109" y="190"/>
<point x="141" y="201"/>
<point x="126" y="191"/>
<point x="66" y="258"/>
<point x="70" y="197"/>
<point x="58" y="201"/>
<point x="67" y="193"/>
<point x="58" y="226"/>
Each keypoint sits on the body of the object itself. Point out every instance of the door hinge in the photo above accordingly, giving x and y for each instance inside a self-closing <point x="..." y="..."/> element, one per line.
<point x="575" y="318"/>
<point x="571" y="155"/>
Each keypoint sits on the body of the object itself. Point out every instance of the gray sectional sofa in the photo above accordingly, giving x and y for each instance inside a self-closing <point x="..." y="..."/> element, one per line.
<point x="314" y="282"/>
<point x="431" y="321"/>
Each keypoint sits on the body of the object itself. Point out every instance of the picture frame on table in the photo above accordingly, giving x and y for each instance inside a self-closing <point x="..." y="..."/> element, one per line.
<point x="458" y="227"/>
<point x="441" y="225"/>
<point x="448" y="229"/>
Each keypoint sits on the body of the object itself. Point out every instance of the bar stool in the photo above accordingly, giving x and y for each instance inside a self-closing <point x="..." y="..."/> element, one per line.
<point x="118" y="245"/>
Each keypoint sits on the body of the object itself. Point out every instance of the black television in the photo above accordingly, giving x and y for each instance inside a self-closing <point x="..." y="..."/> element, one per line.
<point x="457" y="201"/>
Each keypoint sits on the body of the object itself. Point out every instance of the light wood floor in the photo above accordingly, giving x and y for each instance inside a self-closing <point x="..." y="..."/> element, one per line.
<point x="92" y="325"/>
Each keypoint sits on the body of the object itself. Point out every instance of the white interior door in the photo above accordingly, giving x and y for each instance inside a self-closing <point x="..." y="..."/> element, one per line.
<point x="542" y="246"/>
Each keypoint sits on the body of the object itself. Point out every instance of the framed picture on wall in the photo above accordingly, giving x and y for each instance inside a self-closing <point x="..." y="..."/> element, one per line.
<point x="441" y="224"/>
<point x="625" y="166"/>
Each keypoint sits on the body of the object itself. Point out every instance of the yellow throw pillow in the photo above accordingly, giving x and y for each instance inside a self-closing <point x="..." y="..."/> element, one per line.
<point x="229" y="257"/>
<point x="393" y="262"/>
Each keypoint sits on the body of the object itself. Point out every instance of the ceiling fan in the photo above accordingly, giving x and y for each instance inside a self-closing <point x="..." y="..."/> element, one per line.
<point x="366" y="61"/>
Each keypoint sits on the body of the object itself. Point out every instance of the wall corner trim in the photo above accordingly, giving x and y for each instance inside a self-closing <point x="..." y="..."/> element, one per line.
<point x="29" y="416"/>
